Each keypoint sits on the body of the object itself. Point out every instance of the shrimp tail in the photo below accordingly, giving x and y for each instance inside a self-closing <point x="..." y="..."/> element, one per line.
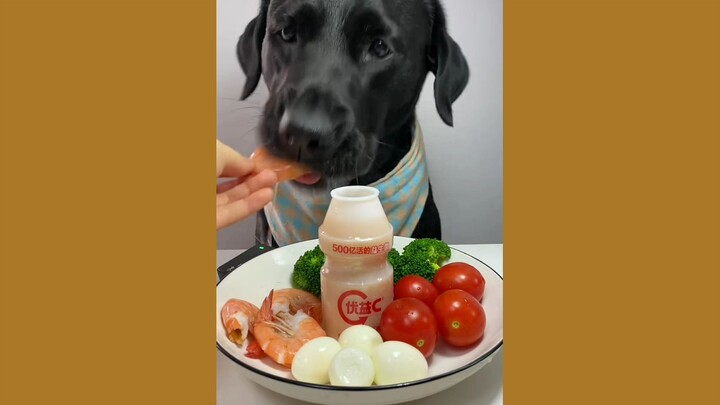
<point x="265" y="314"/>
<point x="254" y="351"/>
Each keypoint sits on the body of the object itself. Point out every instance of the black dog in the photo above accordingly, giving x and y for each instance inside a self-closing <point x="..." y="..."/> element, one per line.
<point x="344" y="77"/>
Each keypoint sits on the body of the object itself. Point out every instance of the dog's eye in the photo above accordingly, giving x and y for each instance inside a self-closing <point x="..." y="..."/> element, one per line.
<point x="379" y="49"/>
<point x="288" y="33"/>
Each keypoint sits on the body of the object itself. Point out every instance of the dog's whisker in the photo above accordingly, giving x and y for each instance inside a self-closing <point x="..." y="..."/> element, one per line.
<point x="237" y="101"/>
<point x="236" y="109"/>
<point x="245" y="108"/>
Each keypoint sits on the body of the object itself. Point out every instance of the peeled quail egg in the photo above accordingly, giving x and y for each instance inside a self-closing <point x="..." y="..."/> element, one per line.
<point x="361" y="337"/>
<point x="351" y="367"/>
<point x="312" y="361"/>
<point x="398" y="362"/>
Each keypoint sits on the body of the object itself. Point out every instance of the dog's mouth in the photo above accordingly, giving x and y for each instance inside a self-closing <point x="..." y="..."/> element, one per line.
<point x="348" y="161"/>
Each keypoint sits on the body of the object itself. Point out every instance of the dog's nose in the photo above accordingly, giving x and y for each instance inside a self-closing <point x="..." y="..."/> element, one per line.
<point x="308" y="132"/>
<point x="314" y="125"/>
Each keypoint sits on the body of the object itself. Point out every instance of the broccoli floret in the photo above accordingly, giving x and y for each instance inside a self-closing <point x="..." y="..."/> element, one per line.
<point x="306" y="273"/>
<point x="422" y="257"/>
<point x="393" y="257"/>
<point x="404" y="265"/>
<point x="436" y="252"/>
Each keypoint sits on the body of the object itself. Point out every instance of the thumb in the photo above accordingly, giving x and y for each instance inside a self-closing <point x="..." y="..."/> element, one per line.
<point x="229" y="163"/>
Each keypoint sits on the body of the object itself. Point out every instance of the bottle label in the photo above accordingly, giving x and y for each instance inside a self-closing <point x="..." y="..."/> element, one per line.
<point x="361" y="250"/>
<point x="355" y="308"/>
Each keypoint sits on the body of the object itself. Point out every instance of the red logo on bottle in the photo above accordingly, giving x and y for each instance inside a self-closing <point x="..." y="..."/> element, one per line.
<point x="355" y="308"/>
<point x="361" y="250"/>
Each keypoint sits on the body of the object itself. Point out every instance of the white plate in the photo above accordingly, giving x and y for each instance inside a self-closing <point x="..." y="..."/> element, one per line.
<point x="447" y="366"/>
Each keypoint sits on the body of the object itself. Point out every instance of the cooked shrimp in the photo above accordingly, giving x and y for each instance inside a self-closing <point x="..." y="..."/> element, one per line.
<point x="280" y="332"/>
<point x="284" y="169"/>
<point x="238" y="317"/>
<point x="292" y="300"/>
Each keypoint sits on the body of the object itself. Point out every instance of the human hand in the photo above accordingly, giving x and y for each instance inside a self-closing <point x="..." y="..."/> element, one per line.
<point x="244" y="195"/>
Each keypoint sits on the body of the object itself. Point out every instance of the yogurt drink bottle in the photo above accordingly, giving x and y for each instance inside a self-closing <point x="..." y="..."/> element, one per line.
<point x="356" y="278"/>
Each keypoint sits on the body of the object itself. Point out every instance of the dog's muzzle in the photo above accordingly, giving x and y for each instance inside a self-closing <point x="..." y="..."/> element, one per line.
<point x="314" y="125"/>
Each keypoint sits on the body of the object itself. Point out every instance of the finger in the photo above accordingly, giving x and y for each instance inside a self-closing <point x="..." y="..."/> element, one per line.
<point x="264" y="179"/>
<point x="241" y="209"/>
<point x="230" y="163"/>
<point x="223" y="187"/>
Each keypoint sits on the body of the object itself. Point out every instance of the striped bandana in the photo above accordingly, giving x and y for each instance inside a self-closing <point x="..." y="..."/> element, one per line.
<point x="297" y="212"/>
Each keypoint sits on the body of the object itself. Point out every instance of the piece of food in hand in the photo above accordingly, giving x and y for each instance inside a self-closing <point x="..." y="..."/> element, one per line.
<point x="361" y="337"/>
<point x="306" y="272"/>
<point x="398" y="362"/>
<point x="351" y="367"/>
<point x="285" y="169"/>
<point x="411" y="321"/>
<point x="238" y="317"/>
<point x="312" y="361"/>
<point x="461" y="276"/>
<point x="460" y="317"/>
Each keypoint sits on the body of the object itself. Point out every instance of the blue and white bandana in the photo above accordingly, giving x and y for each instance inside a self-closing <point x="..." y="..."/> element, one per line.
<point x="297" y="212"/>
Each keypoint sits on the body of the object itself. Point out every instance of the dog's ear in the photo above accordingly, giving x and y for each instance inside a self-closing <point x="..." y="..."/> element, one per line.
<point x="249" y="50"/>
<point x="447" y="63"/>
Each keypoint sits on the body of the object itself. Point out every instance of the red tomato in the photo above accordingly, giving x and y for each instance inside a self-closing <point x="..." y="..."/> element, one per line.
<point x="461" y="318"/>
<point x="462" y="276"/>
<point x="416" y="287"/>
<point x="409" y="320"/>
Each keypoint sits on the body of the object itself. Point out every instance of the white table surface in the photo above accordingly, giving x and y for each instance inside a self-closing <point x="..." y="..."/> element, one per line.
<point x="483" y="388"/>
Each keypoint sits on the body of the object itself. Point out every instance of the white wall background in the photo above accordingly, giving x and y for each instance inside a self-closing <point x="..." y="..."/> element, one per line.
<point x="465" y="162"/>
